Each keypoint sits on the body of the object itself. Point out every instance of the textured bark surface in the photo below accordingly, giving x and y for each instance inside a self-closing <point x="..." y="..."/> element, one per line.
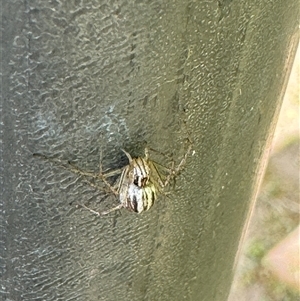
<point x="80" y="77"/>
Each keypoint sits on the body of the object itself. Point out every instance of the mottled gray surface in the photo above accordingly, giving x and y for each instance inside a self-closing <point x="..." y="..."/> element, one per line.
<point x="84" y="76"/>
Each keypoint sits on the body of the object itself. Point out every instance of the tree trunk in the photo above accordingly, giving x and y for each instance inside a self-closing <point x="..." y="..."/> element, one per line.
<point x="82" y="78"/>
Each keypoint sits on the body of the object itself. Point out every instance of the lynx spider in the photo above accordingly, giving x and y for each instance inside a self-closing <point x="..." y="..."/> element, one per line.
<point x="139" y="184"/>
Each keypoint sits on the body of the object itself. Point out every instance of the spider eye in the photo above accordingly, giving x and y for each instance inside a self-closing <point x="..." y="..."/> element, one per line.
<point x="140" y="181"/>
<point x="144" y="181"/>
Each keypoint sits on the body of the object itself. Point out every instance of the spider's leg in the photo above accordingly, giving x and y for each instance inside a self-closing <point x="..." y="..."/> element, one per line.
<point x="103" y="212"/>
<point x="158" y="152"/>
<point x="176" y="170"/>
<point x="170" y="171"/>
<point x="101" y="176"/>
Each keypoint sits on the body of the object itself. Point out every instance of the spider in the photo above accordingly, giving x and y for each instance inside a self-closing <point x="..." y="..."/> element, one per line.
<point x="140" y="182"/>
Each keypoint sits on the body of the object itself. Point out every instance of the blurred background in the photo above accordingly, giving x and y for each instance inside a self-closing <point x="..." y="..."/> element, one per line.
<point x="268" y="267"/>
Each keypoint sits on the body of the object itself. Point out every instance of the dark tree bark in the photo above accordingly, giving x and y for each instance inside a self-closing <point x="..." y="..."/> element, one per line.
<point x="80" y="77"/>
